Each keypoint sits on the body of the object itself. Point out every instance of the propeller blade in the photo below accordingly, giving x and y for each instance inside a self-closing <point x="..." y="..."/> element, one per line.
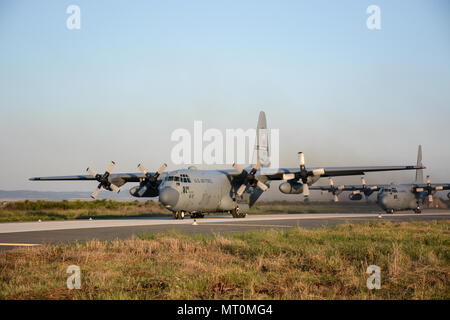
<point x="115" y="188"/>
<point x="257" y="165"/>
<point x="95" y="193"/>
<point x="430" y="198"/>
<point x="241" y="190"/>
<point x="318" y="172"/>
<point x="110" y="167"/>
<point x="262" y="186"/>
<point x="142" y="169"/>
<point x="301" y="159"/>
<point x="306" y="190"/>
<point x="336" y="199"/>
<point x="363" y="181"/>
<point x="91" y="172"/>
<point x="239" y="169"/>
<point x="428" y="180"/>
<point x="331" y="182"/>
<point x="161" y="169"/>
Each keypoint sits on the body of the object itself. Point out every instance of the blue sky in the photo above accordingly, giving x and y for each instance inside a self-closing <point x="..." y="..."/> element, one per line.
<point x="137" y="70"/>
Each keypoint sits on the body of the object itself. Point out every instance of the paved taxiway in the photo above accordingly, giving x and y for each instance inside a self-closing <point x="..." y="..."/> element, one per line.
<point x="19" y="234"/>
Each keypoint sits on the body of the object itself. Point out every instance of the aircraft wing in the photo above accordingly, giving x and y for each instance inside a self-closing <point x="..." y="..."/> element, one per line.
<point x="433" y="187"/>
<point x="350" y="187"/>
<point x="125" y="177"/>
<point x="285" y="173"/>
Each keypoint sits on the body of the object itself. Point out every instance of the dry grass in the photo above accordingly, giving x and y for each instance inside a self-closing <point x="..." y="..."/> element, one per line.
<point x="326" y="263"/>
<point x="68" y="210"/>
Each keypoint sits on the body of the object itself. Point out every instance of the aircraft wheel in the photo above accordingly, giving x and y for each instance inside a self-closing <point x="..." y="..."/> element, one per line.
<point x="181" y="215"/>
<point x="175" y="215"/>
<point x="235" y="213"/>
<point x="242" y="215"/>
<point x="417" y="210"/>
<point x="239" y="213"/>
<point x="390" y="211"/>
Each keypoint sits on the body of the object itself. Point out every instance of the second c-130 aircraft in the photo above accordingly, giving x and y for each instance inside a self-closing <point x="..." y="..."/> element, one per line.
<point x="393" y="197"/>
<point x="196" y="192"/>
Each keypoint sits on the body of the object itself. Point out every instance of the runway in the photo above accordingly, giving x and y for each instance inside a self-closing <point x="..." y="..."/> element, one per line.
<point x="27" y="234"/>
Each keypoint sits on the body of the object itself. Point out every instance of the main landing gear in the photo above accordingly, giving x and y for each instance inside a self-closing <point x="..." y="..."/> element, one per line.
<point x="417" y="210"/>
<point x="390" y="211"/>
<point x="237" y="213"/>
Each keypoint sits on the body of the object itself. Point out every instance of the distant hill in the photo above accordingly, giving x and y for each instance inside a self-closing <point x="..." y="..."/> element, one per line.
<point x="59" y="195"/>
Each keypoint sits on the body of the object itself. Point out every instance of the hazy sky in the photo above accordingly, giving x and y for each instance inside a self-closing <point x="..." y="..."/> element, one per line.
<point x="137" y="70"/>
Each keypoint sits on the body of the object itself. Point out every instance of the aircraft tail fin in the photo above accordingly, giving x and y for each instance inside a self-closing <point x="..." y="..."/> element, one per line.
<point x="419" y="172"/>
<point x="262" y="141"/>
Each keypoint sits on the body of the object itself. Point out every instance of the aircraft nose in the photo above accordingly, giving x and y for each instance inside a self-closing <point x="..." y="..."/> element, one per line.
<point x="382" y="200"/>
<point x="169" y="197"/>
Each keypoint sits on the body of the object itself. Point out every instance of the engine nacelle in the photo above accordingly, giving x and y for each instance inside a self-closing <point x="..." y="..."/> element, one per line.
<point x="355" y="197"/>
<point x="291" y="187"/>
<point x="149" y="193"/>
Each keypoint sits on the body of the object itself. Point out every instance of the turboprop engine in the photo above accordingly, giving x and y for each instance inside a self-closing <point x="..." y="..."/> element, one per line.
<point x="148" y="192"/>
<point x="148" y="187"/>
<point x="356" y="197"/>
<point x="291" y="187"/>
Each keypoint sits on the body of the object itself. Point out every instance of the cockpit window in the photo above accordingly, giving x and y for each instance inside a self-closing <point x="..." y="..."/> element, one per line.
<point x="185" y="178"/>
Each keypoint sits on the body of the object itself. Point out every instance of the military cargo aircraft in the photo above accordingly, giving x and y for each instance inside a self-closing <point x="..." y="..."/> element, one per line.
<point x="196" y="192"/>
<point x="392" y="197"/>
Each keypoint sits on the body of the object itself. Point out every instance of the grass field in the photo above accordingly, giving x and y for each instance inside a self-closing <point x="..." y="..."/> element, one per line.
<point x="326" y="263"/>
<point x="68" y="210"/>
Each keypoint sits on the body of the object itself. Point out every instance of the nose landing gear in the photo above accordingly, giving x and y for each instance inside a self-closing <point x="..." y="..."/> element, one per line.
<point x="178" y="215"/>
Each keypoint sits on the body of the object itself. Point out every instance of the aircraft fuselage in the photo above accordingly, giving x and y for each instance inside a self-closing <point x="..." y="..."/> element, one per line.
<point x="197" y="191"/>
<point x="398" y="197"/>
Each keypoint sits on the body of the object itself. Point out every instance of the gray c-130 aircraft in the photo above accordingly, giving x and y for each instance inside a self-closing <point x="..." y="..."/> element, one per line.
<point x="234" y="191"/>
<point x="392" y="197"/>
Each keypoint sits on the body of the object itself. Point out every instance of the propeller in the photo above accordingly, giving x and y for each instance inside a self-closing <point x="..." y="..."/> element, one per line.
<point x="335" y="190"/>
<point x="430" y="189"/>
<point x="149" y="180"/>
<point x="104" y="181"/>
<point x="304" y="174"/>
<point x="367" y="191"/>
<point x="249" y="178"/>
